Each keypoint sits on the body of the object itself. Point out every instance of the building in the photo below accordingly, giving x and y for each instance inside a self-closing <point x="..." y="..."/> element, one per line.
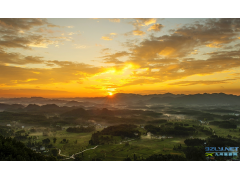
<point x="33" y="148"/>
<point x="22" y="127"/>
<point x="42" y="148"/>
<point x="9" y="125"/>
<point x="149" y="134"/>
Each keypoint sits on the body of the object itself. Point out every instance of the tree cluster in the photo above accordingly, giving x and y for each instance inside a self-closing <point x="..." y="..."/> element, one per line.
<point x="106" y="135"/>
<point x="81" y="129"/>
<point x="12" y="150"/>
<point x="194" y="142"/>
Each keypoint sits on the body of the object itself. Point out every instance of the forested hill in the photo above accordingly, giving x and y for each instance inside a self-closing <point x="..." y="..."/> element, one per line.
<point x="12" y="150"/>
<point x="80" y="112"/>
<point x="216" y="98"/>
<point x="120" y="98"/>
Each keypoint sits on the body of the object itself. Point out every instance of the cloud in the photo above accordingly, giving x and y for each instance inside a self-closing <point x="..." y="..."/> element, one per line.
<point x="33" y="92"/>
<point x="109" y="37"/>
<point x="114" y="20"/>
<point x="45" y="30"/>
<point x="138" y="33"/>
<point x="105" y="51"/>
<point x="26" y="42"/>
<point x="93" y="87"/>
<point x="113" y="58"/>
<point x="21" y="23"/>
<point x="139" y="23"/>
<point x="139" y="81"/>
<point x="156" y="27"/>
<point x="98" y="45"/>
<point x="154" y="59"/>
<point x="163" y="47"/>
<point x="235" y="74"/>
<point x="212" y="32"/>
<point x="143" y="22"/>
<point x="163" y="58"/>
<point x="106" y="38"/>
<point x="14" y="33"/>
<point x="189" y="83"/>
<point x="60" y="72"/>
<point x="17" y="58"/>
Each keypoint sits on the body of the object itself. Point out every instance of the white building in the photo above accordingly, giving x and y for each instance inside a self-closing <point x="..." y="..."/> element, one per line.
<point x="9" y="125"/>
<point x="22" y="127"/>
<point x="149" y="134"/>
<point x="33" y="148"/>
<point x="42" y="148"/>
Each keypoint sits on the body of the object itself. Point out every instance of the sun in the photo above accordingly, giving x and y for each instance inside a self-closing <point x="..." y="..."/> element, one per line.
<point x="110" y="93"/>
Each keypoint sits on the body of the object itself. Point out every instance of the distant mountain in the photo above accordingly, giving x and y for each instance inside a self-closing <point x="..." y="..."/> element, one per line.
<point x="80" y="112"/>
<point x="76" y="103"/>
<point x="128" y="99"/>
<point x="204" y="99"/>
<point x="48" y="108"/>
<point x="9" y="107"/>
<point x="32" y="107"/>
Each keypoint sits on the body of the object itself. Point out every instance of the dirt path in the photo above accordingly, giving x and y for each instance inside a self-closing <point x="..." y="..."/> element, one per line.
<point x="73" y="156"/>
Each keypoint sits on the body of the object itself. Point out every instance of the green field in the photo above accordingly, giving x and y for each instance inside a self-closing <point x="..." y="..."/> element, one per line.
<point x="142" y="148"/>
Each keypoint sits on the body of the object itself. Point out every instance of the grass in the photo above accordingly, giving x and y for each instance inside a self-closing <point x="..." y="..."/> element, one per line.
<point x="142" y="148"/>
<point x="224" y="132"/>
<point x="67" y="148"/>
<point x="117" y="152"/>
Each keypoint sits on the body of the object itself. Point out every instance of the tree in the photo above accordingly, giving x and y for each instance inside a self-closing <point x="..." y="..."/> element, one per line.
<point x="134" y="157"/>
<point x="12" y="150"/>
<point x="54" y="152"/>
<point x="54" y="140"/>
<point x="194" y="142"/>
<point x="46" y="141"/>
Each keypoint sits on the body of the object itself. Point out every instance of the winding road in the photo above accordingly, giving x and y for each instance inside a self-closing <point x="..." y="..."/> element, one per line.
<point x="73" y="156"/>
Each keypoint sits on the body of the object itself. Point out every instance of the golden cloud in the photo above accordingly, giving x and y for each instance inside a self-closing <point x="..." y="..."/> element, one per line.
<point x="109" y="37"/>
<point x="14" y="33"/>
<point x="113" y="58"/>
<point x="143" y="22"/>
<point x="189" y="83"/>
<point x="17" y="58"/>
<point x="138" y="33"/>
<point x="156" y="27"/>
<point x="106" y="38"/>
<point x="212" y="32"/>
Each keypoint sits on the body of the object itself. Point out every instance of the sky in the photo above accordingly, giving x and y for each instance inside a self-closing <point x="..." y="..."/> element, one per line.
<point x="94" y="57"/>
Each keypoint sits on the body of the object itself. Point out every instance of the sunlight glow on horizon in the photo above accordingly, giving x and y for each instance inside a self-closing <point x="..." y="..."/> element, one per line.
<point x="69" y="57"/>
